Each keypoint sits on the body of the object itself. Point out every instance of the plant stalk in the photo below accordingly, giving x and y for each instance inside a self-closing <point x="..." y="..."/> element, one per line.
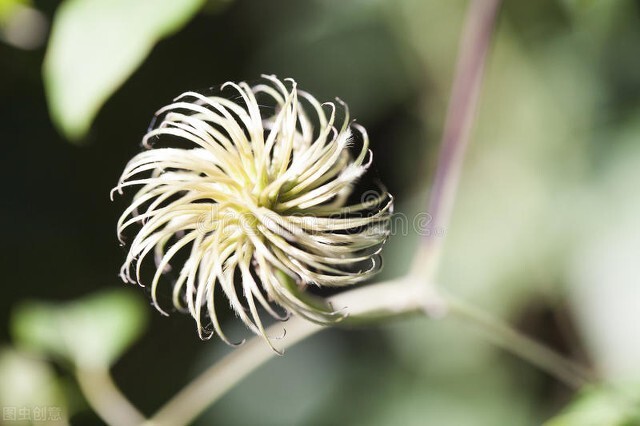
<point x="462" y="110"/>
<point x="106" y="399"/>
<point x="506" y="337"/>
<point x="387" y="299"/>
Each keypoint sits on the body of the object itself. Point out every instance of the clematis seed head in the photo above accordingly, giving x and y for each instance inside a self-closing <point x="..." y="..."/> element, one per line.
<point x="247" y="193"/>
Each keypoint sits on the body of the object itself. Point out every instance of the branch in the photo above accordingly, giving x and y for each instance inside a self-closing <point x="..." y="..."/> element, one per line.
<point x="214" y="382"/>
<point x="506" y="337"/>
<point x="474" y="46"/>
<point x="387" y="300"/>
<point x="384" y="300"/>
<point x="106" y="399"/>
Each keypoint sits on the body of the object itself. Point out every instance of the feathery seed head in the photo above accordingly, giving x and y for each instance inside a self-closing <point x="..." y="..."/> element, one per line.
<point x="255" y="197"/>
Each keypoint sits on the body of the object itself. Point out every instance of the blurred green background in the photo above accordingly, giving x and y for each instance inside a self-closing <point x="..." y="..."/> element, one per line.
<point x="546" y="229"/>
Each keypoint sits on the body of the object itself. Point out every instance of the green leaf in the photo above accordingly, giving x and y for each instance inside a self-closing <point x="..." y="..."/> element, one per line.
<point x="602" y="406"/>
<point x="91" y="333"/>
<point x="95" y="45"/>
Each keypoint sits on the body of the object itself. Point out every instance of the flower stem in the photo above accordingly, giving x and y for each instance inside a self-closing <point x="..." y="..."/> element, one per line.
<point x="503" y="335"/>
<point x="474" y="47"/>
<point x="106" y="399"/>
<point x="214" y="382"/>
<point x="386" y="299"/>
